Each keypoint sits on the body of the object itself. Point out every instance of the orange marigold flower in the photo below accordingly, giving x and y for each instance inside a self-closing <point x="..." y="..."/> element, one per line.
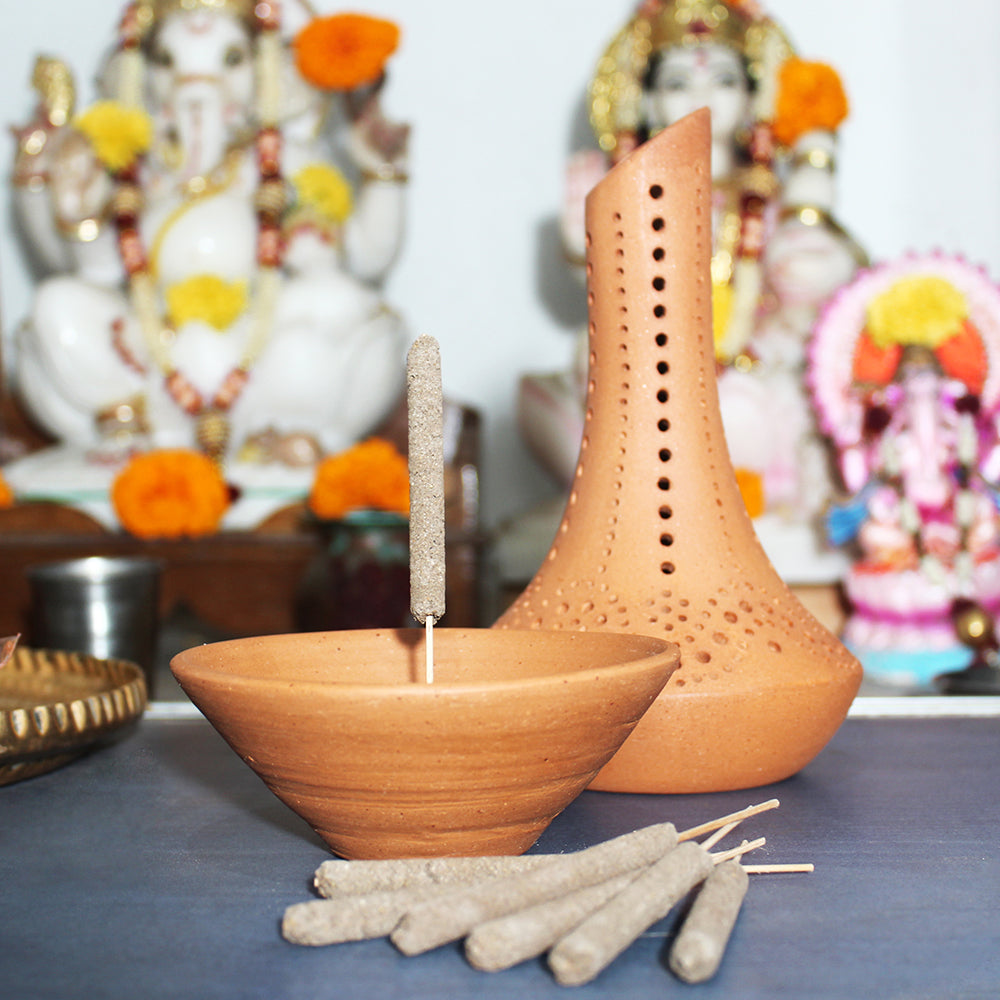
<point x="751" y="486"/>
<point x="173" y="493"/>
<point x="963" y="356"/>
<point x="6" y="494"/>
<point x="810" y="96"/>
<point x="344" y="51"/>
<point x="873" y="364"/>
<point x="371" y="475"/>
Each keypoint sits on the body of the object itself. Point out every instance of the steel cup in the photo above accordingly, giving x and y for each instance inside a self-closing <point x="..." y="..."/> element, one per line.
<point x="105" y="606"/>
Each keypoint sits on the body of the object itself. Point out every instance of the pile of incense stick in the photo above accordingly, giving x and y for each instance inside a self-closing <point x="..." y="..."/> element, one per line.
<point x="582" y="909"/>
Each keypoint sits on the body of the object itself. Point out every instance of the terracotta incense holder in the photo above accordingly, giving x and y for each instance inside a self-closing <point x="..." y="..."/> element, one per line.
<point x="345" y="730"/>
<point x="655" y="537"/>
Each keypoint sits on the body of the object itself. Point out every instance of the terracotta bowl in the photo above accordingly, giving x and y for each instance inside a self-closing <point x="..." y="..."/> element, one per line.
<point x="344" y="729"/>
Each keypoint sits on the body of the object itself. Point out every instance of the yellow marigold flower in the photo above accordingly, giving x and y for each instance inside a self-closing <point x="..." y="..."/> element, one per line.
<point x="372" y="475"/>
<point x="172" y="493"/>
<point x="924" y="310"/>
<point x="325" y="189"/>
<point x="208" y="298"/>
<point x="344" y="51"/>
<point x="117" y="133"/>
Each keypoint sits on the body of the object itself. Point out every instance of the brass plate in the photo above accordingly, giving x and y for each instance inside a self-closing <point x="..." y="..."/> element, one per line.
<point x="56" y="705"/>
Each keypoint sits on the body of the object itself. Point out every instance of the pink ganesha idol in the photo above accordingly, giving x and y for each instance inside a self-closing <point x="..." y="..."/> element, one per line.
<point x="904" y="371"/>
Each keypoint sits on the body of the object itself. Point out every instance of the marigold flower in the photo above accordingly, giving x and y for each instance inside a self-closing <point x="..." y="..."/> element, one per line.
<point x="810" y="96"/>
<point x="963" y="356"/>
<point x="370" y="475"/>
<point x="344" y="51"/>
<point x="751" y="486"/>
<point x="208" y="298"/>
<point x="117" y="133"/>
<point x="172" y="493"/>
<point x="924" y="310"/>
<point x="6" y="494"/>
<point x="874" y="364"/>
<point x="325" y="189"/>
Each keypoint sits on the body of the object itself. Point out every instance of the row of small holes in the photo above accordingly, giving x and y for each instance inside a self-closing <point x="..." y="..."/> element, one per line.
<point x="662" y="394"/>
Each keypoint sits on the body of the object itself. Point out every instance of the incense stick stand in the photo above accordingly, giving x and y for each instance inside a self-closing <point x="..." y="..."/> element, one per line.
<point x="655" y="537"/>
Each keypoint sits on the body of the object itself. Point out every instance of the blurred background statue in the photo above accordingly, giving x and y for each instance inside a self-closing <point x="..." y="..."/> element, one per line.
<point x="778" y="251"/>
<point x="905" y="372"/>
<point x="212" y="276"/>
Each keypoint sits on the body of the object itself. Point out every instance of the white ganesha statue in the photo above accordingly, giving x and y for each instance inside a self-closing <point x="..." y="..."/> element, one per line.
<point x="213" y="278"/>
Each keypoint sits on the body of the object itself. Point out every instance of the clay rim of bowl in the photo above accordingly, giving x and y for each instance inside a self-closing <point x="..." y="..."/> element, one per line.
<point x="645" y="650"/>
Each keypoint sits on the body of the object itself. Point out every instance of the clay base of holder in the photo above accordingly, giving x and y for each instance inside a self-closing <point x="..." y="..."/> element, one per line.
<point x="689" y="743"/>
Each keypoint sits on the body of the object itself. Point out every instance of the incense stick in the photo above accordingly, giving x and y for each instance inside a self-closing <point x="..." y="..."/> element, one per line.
<point x="425" y="406"/>
<point x="586" y="906"/>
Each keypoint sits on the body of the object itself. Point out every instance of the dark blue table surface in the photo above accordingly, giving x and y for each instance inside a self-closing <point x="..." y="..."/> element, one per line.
<point x="160" y="867"/>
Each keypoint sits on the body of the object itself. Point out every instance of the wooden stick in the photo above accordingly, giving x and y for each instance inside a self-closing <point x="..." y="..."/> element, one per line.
<point x="738" y="852"/>
<point x="429" y="643"/>
<point x="773" y="869"/>
<point x="723" y="831"/>
<point x="714" y="824"/>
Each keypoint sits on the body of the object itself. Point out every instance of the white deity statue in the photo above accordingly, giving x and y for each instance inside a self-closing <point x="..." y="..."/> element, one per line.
<point x="213" y="279"/>
<point x="778" y="253"/>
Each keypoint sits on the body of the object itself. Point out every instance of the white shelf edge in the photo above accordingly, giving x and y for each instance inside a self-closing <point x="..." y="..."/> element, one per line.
<point x="924" y="707"/>
<point x="864" y="707"/>
<point x="159" y="711"/>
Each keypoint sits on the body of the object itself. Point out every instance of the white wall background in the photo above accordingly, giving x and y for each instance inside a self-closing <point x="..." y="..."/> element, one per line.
<point x="495" y="95"/>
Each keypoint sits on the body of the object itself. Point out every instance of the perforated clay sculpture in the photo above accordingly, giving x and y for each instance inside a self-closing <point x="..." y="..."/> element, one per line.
<point x="655" y="538"/>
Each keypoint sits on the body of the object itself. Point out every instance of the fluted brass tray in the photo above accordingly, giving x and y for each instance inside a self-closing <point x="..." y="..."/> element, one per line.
<point x="54" y="706"/>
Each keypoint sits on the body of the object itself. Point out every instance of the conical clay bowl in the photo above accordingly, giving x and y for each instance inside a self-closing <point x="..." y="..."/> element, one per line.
<point x="344" y="729"/>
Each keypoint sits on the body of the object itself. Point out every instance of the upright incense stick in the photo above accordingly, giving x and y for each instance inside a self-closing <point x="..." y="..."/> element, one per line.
<point x="425" y="405"/>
